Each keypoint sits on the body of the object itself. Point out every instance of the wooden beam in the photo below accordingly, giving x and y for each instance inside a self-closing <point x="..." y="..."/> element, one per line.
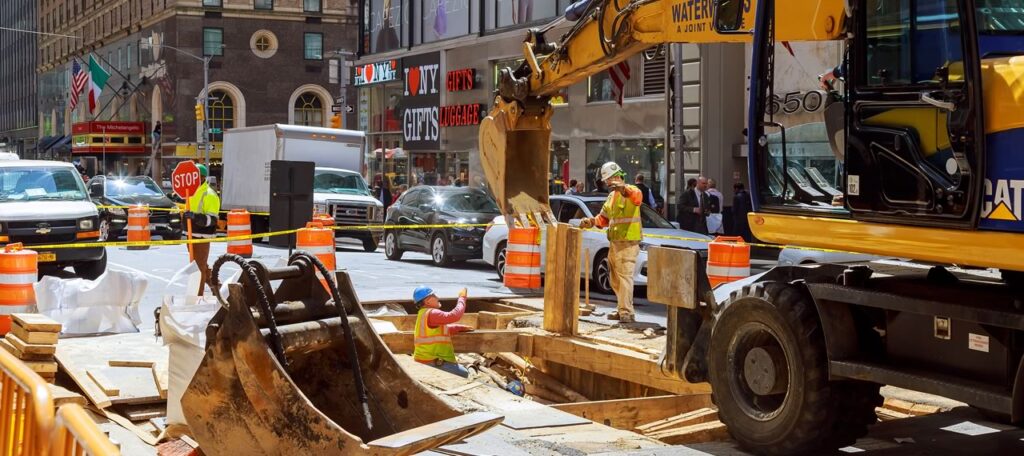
<point x="628" y="414"/>
<point x="481" y="341"/>
<point x="675" y="284"/>
<point x="697" y="433"/>
<point x="614" y="362"/>
<point x="702" y="415"/>
<point x="478" y="320"/>
<point x="562" y="279"/>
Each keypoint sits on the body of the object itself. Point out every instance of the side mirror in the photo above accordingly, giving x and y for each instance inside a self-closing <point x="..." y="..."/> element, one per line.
<point x="728" y="16"/>
<point x="96" y="192"/>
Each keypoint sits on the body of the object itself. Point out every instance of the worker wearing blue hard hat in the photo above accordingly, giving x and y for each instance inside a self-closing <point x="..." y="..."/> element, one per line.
<point x="432" y="337"/>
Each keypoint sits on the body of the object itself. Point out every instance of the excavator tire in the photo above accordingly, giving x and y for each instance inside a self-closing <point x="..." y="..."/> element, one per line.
<point x="768" y="372"/>
<point x="857" y="402"/>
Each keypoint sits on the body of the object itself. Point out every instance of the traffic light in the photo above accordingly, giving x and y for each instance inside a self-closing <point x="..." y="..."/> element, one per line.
<point x="200" y="112"/>
<point x="336" y="121"/>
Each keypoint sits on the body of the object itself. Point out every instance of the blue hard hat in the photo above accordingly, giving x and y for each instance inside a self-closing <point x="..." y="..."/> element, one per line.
<point x="421" y="293"/>
<point x="516" y="387"/>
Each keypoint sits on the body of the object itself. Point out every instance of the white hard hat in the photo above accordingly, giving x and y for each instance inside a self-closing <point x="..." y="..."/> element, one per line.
<point x="609" y="170"/>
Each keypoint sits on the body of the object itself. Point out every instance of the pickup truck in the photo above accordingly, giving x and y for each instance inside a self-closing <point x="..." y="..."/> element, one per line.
<point x="44" y="203"/>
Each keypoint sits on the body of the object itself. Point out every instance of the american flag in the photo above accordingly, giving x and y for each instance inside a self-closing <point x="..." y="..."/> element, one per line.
<point x="78" y="80"/>
<point x="620" y="75"/>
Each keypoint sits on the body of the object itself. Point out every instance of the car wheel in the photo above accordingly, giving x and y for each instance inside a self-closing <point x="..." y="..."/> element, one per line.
<point x="104" y="229"/>
<point x="391" y="250"/>
<point x="601" y="281"/>
<point x="369" y="244"/>
<point x="91" y="270"/>
<point x="499" y="260"/>
<point x="439" y="251"/>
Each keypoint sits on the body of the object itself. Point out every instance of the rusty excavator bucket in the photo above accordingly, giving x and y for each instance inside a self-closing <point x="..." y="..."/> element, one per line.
<point x="297" y="370"/>
<point x="515" y="150"/>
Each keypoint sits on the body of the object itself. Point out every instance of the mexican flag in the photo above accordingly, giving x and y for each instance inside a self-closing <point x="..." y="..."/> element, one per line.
<point x="97" y="80"/>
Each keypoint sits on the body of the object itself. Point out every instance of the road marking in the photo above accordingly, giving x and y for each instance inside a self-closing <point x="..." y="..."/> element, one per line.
<point x="131" y="269"/>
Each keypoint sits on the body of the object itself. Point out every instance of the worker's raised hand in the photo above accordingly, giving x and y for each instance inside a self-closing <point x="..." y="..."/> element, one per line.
<point x="463" y="293"/>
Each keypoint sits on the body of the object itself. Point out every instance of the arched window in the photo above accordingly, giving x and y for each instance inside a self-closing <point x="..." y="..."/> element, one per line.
<point x="222" y="113"/>
<point x="309" y="110"/>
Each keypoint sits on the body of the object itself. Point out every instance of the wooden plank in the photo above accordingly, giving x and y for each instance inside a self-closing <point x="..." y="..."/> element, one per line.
<point x="698" y="416"/>
<point x="63" y="396"/>
<point x="144" y="412"/>
<point x="628" y="414"/>
<point x="95" y="395"/>
<point x="130" y="363"/>
<point x="408" y="322"/>
<point x="160" y="377"/>
<point x="562" y="279"/>
<point x="436" y="434"/>
<point x="41" y="366"/>
<point x="611" y="361"/>
<point x="675" y="284"/>
<point x="34" y="322"/>
<point x="137" y="386"/>
<point x="34" y="337"/>
<point x="105" y="384"/>
<point x="697" y="433"/>
<point x="471" y="342"/>
<point x="30" y="349"/>
<point x="541" y="417"/>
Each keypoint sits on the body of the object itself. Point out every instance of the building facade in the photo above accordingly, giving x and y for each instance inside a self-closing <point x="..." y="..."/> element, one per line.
<point x="270" y="62"/>
<point x="463" y="44"/>
<point x="18" y="128"/>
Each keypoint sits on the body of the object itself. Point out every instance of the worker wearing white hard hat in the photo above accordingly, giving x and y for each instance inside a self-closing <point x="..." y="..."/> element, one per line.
<point x="621" y="215"/>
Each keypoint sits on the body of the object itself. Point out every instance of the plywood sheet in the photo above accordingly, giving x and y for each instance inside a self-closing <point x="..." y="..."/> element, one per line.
<point x="136" y="385"/>
<point x="671" y="278"/>
<point x="541" y="417"/>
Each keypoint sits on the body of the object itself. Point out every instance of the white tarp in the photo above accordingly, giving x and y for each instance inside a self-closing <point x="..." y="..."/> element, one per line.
<point x="109" y="304"/>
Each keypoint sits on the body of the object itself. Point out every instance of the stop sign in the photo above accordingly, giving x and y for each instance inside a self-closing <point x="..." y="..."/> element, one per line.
<point x="185" y="179"/>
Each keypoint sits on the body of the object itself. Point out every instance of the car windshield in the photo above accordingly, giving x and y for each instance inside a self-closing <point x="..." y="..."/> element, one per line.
<point x="132" y="186"/>
<point x="648" y="217"/>
<point x="39" y="184"/>
<point x="339" y="182"/>
<point x="472" y="201"/>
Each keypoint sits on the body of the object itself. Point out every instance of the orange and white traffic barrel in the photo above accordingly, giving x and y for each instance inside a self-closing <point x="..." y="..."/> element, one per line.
<point x="728" y="260"/>
<point x="239" y="225"/>
<point x="324" y="219"/>
<point x="522" y="258"/>
<point x="319" y="241"/>
<point x="138" y="226"/>
<point x="19" y="271"/>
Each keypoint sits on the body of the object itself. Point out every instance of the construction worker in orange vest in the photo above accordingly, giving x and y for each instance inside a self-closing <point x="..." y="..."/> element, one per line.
<point x="621" y="214"/>
<point x="434" y="330"/>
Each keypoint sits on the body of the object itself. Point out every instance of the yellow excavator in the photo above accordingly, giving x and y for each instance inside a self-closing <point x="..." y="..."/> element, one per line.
<point x="927" y="130"/>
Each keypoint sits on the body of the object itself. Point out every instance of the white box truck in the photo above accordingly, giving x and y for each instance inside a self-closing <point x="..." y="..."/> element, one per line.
<point x="338" y="187"/>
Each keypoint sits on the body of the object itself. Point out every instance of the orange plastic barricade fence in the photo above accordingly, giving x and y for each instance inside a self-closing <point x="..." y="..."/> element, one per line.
<point x="138" y="226"/>
<point x="77" y="434"/>
<point x="26" y="409"/>
<point x="522" y="258"/>
<point x="728" y="260"/>
<point x="238" y="225"/>
<point x="319" y="241"/>
<point x="19" y="271"/>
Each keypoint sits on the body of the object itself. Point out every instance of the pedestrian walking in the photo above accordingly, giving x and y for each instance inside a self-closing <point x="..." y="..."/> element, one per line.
<point x="204" y="211"/>
<point x="621" y="214"/>
<point x="432" y="337"/>
<point x="741" y="206"/>
<point x="382" y="192"/>
<point x="572" y="187"/>
<point x="715" y="209"/>
<point x="693" y="207"/>
<point x="401" y="191"/>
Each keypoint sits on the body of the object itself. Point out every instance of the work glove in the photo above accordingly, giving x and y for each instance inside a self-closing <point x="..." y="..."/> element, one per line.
<point x="463" y="293"/>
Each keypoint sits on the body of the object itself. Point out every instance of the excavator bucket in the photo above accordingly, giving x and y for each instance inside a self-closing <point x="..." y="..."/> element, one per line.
<point x="297" y="370"/>
<point x="515" y="150"/>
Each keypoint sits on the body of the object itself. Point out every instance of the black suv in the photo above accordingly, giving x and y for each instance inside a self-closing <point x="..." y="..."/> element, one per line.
<point x="426" y="205"/>
<point x="164" y="216"/>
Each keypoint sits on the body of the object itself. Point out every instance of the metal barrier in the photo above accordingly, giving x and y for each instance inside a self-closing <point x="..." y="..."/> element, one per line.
<point x="26" y="409"/>
<point x="77" y="434"/>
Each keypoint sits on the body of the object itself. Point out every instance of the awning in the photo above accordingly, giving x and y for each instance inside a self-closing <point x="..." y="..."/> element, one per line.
<point x="60" y="145"/>
<point x="46" y="141"/>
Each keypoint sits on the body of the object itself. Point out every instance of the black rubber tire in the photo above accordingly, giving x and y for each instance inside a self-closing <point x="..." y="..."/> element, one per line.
<point x="370" y="245"/>
<point x="856" y="402"/>
<point x="601" y="261"/>
<point x="445" y="258"/>
<point x="500" y="259"/>
<point x="392" y="251"/>
<point x="91" y="270"/>
<point x="804" y="418"/>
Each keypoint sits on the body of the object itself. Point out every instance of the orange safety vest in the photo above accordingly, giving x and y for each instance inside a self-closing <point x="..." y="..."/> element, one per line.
<point x="431" y="343"/>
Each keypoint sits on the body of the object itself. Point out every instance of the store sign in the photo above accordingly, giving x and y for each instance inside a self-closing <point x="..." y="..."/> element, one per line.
<point x="375" y="73"/>
<point x="461" y="80"/>
<point x="420" y="119"/>
<point x="461" y="115"/>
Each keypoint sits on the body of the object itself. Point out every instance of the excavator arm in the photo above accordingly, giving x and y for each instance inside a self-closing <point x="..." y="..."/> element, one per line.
<point x="515" y="136"/>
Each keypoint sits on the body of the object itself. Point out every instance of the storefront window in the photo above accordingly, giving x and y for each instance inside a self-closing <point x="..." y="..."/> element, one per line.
<point x="560" y="99"/>
<point x="559" y="169"/>
<point x="384" y="100"/>
<point x="635" y="156"/>
<point x="443" y="19"/>
<point x="386" y="26"/>
<point x="389" y="159"/>
<point x="444" y="168"/>
<point x="510" y="13"/>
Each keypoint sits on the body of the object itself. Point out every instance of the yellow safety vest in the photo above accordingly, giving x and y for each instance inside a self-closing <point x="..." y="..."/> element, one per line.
<point x="431" y="343"/>
<point x="204" y="201"/>
<point x="623" y="218"/>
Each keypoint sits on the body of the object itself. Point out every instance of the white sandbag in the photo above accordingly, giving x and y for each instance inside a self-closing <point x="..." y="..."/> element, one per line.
<point x="107" y="305"/>
<point x="183" y="321"/>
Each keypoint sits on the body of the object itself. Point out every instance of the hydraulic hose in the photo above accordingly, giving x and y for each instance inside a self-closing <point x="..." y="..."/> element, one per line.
<point x="350" y="339"/>
<point x="251" y="274"/>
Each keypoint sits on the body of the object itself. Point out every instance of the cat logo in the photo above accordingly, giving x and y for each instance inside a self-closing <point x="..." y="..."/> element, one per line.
<point x="1003" y="200"/>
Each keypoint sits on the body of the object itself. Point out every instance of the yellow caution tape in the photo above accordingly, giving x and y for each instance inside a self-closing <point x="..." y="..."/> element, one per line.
<point x="169" y="209"/>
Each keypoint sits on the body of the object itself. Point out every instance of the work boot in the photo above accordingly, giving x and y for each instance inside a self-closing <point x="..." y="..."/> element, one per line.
<point x="623" y="317"/>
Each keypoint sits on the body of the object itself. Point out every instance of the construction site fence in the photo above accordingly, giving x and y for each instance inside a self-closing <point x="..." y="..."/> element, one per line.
<point x="29" y="425"/>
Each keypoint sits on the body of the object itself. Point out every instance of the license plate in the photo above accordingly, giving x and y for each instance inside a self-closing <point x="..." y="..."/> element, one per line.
<point x="47" y="257"/>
